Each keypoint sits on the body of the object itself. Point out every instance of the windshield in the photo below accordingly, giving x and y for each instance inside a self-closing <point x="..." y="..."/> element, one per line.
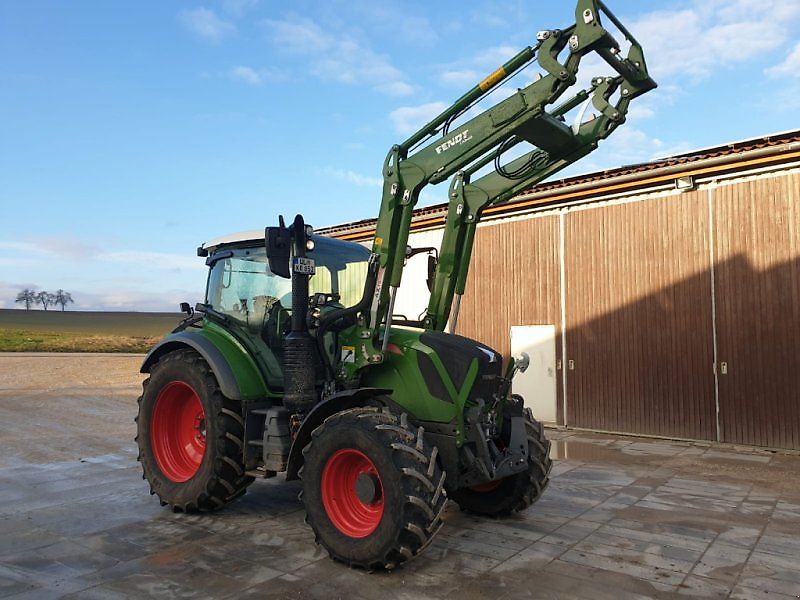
<point x="242" y="286"/>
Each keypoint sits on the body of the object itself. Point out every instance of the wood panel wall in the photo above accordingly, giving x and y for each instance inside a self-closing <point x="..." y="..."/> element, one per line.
<point x="640" y="326"/>
<point x="639" y="318"/>
<point x="757" y="281"/>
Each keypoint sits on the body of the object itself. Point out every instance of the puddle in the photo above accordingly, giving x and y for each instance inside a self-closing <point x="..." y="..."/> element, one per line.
<point x="568" y="450"/>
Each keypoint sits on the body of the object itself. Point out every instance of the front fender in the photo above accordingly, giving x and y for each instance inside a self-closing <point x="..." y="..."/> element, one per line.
<point x="336" y="403"/>
<point x="236" y="372"/>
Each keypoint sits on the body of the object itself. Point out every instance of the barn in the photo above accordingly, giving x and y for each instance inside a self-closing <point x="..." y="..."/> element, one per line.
<point x="658" y="299"/>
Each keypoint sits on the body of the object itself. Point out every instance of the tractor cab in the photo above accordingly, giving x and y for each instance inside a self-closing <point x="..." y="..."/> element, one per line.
<point x="257" y="303"/>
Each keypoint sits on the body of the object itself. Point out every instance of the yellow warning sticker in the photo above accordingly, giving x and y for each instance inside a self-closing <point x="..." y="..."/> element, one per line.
<point x="348" y="354"/>
<point x="492" y="79"/>
<point x="378" y="242"/>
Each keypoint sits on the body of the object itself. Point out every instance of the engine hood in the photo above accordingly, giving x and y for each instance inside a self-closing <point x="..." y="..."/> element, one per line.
<point x="456" y="354"/>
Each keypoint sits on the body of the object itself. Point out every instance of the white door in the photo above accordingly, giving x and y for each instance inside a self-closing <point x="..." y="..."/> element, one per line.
<point x="538" y="384"/>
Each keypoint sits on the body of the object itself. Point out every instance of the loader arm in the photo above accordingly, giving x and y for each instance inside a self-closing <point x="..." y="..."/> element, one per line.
<point x="469" y="199"/>
<point x="434" y="153"/>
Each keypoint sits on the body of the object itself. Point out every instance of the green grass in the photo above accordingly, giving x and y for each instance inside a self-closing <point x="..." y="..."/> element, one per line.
<point x="20" y="340"/>
<point x="55" y="331"/>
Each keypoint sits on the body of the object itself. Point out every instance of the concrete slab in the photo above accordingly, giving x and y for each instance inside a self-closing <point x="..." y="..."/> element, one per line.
<point x="622" y="518"/>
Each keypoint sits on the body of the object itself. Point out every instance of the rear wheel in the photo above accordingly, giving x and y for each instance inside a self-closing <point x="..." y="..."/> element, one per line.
<point x="190" y="436"/>
<point x="519" y="491"/>
<point x="372" y="488"/>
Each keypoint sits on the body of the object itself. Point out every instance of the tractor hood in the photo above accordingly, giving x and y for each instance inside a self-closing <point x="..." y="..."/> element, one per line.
<point x="449" y="370"/>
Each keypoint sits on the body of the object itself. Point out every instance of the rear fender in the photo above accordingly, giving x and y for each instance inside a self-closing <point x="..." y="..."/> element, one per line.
<point x="336" y="403"/>
<point x="237" y="374"/>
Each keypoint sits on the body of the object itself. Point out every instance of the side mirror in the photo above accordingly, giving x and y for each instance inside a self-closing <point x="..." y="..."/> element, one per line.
<point x="432" y="263"/>
<point x="186" y="308"/>
<point x="278" y="242"/>
<point x="522" y="363"/>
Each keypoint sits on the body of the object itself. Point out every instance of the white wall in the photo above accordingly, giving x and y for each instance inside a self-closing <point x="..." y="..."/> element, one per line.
<point x="413" y="295"/>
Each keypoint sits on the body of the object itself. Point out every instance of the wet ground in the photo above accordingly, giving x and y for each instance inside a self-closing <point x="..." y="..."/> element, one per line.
<point x="622" y="518"/>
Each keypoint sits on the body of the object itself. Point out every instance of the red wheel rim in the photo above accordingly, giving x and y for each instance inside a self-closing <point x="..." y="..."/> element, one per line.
<point x="350" y="514"/>
<point x="178" y="431"/>
<point x="486" y="487"/>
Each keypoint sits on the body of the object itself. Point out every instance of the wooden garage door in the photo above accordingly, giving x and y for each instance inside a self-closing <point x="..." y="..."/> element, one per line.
<point x="639" y="318"/>
<point x="757" y="281"/>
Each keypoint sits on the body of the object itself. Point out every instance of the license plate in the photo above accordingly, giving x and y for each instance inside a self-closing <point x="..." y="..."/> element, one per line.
<point x="304" y="266"/>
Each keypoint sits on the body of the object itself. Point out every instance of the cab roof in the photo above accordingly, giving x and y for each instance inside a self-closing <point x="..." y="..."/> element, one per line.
<point x="255" y="237"/>
<point x="241" y="237"/>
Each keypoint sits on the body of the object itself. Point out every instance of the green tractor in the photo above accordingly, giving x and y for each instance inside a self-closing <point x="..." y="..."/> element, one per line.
<point x="296" y="363"/>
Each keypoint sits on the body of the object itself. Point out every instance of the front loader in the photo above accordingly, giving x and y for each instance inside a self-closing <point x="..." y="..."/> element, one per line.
<point x="296" y="363"/>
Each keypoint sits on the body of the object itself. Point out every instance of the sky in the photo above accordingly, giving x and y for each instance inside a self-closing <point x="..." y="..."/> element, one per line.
<point x="132" y="132"/>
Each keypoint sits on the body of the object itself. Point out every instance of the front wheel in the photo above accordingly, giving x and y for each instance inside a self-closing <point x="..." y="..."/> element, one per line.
<point x="190" y="436"/>
<point x="519" y="491"/>
<point x="372" y="488"/>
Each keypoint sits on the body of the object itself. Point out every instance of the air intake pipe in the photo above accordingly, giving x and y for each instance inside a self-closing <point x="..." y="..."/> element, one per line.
<point x="298" y="346"/>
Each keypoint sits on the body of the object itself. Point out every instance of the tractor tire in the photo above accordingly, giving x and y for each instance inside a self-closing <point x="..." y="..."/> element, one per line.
<point x="517" y="492"/>
<point x="372" y="488"/>
<point x="190" y="436"/>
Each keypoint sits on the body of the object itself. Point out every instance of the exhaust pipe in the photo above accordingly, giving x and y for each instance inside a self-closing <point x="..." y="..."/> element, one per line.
<point x="299" y="370"/>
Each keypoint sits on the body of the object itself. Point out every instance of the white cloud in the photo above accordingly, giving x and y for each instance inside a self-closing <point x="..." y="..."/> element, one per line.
<point x="205" y="23"/>
<point x="19" y="247"/>
<point x="459" y="77"/>
<point x="337" y="56"/>
<point x="494" y="57"/>
<point x="710" y="34"/>
<point x="134" y="300"/>
<point x="641" y="111"/>
<point x="256" y="77"/>
<point x="51" y="246"/>
<point x="247" y="75"/>
<point x="153" y="260"/>
<point x="237" y="8"/>
<point x="407" y="119"/>
<point x="390" y="17"/>
<point x="20" y="262"/>
<point x="46" y="250"/>
<point x="486" y="19"/>
<point x="467" y="73"/>
<point x="396" y="88"/>
<point x="67" y="247"/>
<point x="789" y="67"/>
<point x="354" y="178"/>
<point x="629" y="145"/>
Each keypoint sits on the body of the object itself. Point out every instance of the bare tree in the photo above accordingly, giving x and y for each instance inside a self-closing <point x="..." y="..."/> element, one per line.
<point x="28" y="297"/>
<point x="63" y="298"/>
<point x="45" y="299"/>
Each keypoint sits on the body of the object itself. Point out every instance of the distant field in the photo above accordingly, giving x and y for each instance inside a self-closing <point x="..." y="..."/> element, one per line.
<point x="56" y="331"/>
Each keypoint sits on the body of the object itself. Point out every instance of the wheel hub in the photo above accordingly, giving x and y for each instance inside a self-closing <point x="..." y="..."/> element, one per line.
<point x="200" y="427"/>
<point x="352" y="493"/>
<point x="178" y="431"/>
<point x="368" y="488"/>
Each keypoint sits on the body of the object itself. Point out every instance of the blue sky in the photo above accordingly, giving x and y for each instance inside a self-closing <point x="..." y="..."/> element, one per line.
<point x="131" y="132"/>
